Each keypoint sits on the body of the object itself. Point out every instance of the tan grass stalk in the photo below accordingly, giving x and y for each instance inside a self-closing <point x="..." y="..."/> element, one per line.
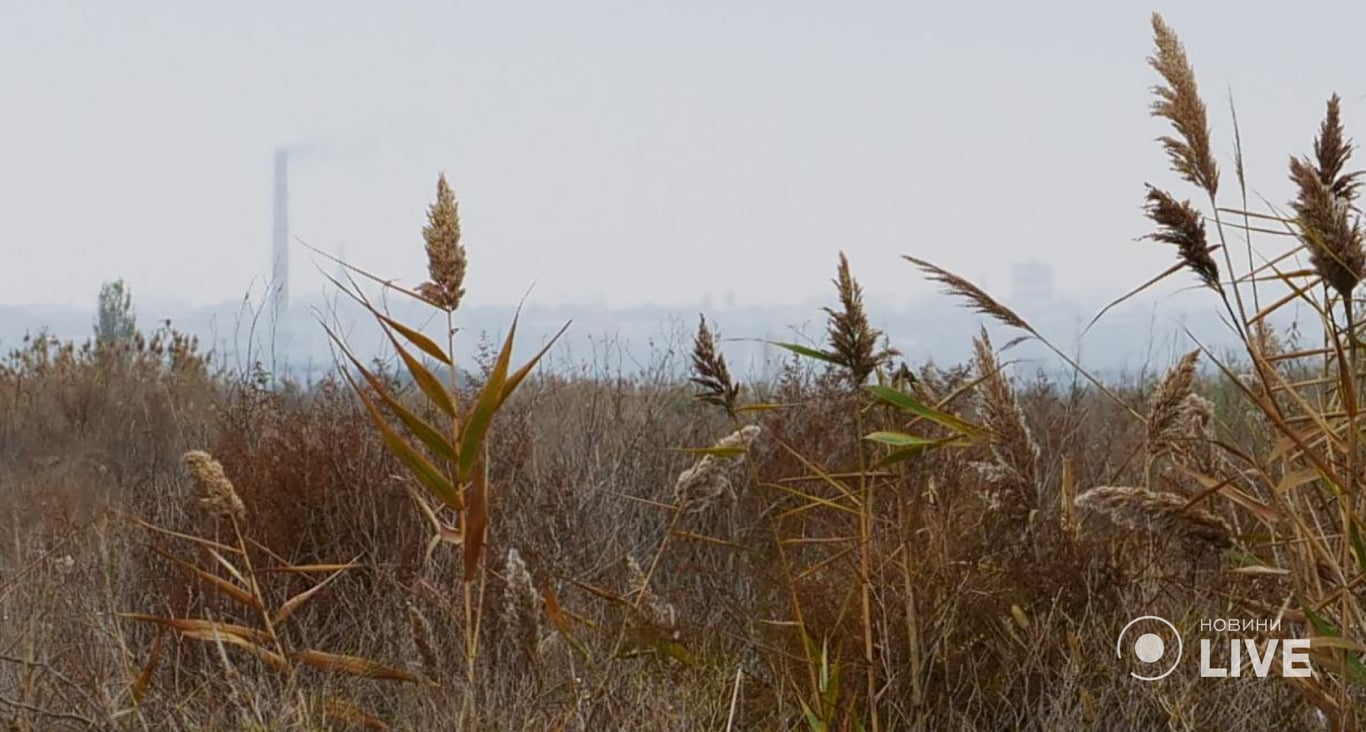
<point x="853" y="341"/>
<point x="1158" y="513"/>
<point x="217" y="492"/>
<point x="445" y="256"/>
<point x="1179" y="102"/>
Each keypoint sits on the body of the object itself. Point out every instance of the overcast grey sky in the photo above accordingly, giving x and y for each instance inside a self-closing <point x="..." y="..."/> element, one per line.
<point x="637" y="151"/>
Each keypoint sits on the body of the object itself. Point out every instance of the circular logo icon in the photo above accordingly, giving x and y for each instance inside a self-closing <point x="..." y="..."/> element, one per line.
<point x="1154" y="645"/>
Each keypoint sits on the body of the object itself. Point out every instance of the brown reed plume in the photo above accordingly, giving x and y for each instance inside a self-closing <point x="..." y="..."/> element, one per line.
<point x="1332" y="150"/>
<point x="1013" y="472"/>
<point x="1179" y="223"/>
<point x="711" y="375"/>
<point x="1165" y="407"/>
<point x="425" y="640"/>
<point x="853" y="342"/>
<point x="703" y="484"/>
<point x="1329" y="228"/>
<point x="1179" y="103"/>
<point x="977" y="298"/>
<point x="445" y="255"/>
<point x="740" y="439"/>
<point x="1158" y="513"/>
<point x="654" y="610"/>
<point x="1201" y="452"/>
<point x="217" y="492"/>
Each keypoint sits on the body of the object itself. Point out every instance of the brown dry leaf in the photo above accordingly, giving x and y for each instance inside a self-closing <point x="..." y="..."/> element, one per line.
<point x="353" y="665"/>
<point x="311" y="568"/>
<point x="294" y="603"/>
<point x="187" y="537"/>
<point x="476" y="517"/>
<point x="211" y="631"/>
<point x="243" y="596"/>
<point x="187" y="626"/>
<point x="139" y="687"/>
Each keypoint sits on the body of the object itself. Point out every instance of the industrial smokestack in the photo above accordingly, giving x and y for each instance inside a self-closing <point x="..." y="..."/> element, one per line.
<point x="279" y="268"/>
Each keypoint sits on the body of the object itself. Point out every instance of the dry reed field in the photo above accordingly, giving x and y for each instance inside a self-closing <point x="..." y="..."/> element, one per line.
<point x="860" y="543"/>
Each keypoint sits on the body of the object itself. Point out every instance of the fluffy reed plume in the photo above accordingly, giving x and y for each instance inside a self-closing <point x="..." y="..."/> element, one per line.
<point x="1165" y="406"/>
<point x="853" y="342"/>
<point x="978" y="299"/>
<point x="740" y="439"/>
<point x="425" y="641"/>
<point x="712" y="376"/>
<point x="217" y="491"/>
<point x="521" y="604"/>
<point x="1328" y="229"/>
<point x="1158" y="513"/>
<point x="654" y="609"/>
<point x="1332" y="150"/>
<point x="445" y="255"/>
<point x="703" y="484"/>
<point x="1013" y="472"/>
<point x="1197" y="427"/>
<point x="1179" y="103"/>
<point x="1180" y="224"/>
<point x="1328" y="226"/>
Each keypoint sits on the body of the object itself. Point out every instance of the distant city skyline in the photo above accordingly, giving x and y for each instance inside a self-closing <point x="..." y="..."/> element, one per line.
<point x="1146" y="332"/>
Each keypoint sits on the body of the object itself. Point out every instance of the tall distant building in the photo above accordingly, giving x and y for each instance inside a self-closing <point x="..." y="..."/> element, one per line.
<point x="1031" y="281"/>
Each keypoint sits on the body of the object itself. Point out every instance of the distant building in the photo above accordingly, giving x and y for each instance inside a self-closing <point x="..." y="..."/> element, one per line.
<point x="1031" y="281"/>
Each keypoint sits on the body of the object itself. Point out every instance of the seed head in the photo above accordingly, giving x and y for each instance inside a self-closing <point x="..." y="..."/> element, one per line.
<point x="700" y="486"/>
<point x="521" y="604"/>
<point x="217" y="492"/>
<point x="654" y="610"/>
<point x="445" y="255"/>
<point x="1332" y="150"/>
<point x="1158" y="513"/>
<point x="1164" y="410"/>
<point x="425" y="641"/>
<point x="1179" y="103"/>
<point x="853" y="342"/>
<point x="711" y="375"/>
<point x="1180" y="224"/>
<point x="1013" y="472"/>
<point x="1329" y="228"/>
